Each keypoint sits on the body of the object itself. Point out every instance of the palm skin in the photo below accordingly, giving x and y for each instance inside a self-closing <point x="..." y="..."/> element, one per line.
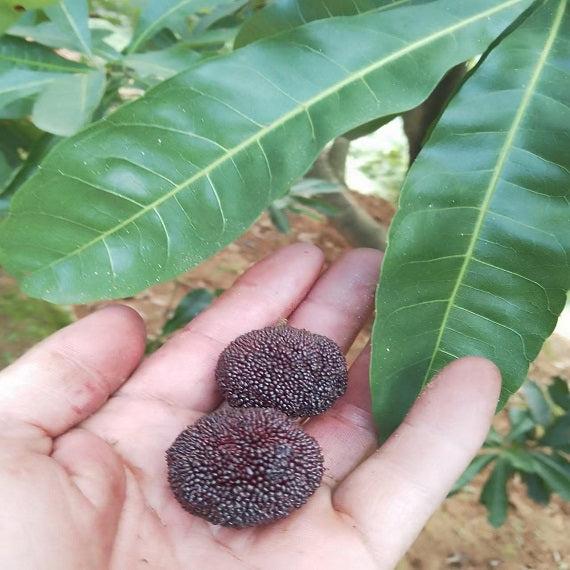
<point x="85" y="425"/>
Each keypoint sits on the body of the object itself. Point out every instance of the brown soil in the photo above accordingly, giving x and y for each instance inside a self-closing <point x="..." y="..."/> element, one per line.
<point x="458" y="535"/>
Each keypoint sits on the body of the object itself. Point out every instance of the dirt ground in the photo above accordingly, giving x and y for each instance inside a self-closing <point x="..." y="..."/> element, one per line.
<point x="458" y="535"/>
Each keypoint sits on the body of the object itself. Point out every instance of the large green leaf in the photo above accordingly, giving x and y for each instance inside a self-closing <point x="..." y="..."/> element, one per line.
<point x="283" y="15"/>
<point x="478" y="254"/>
<point x="166" y="181"/>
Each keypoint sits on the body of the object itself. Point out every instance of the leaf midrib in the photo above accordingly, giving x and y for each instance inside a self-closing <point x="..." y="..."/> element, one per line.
<point x="301" y="108"/>
<point x="525" y="101"/>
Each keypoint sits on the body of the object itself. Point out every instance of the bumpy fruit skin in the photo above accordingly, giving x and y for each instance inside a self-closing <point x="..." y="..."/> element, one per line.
<point x="244" y="467"/>
<point x="282" y="367"/>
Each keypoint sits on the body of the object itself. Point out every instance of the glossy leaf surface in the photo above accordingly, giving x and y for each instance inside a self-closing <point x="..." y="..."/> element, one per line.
<point x="477" y="261"/>
<point x="168" y="180"/>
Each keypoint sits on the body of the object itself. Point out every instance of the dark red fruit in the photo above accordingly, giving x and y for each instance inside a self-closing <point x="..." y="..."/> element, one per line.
<point x="244" y="467"/>
<point x="292" y="370"/>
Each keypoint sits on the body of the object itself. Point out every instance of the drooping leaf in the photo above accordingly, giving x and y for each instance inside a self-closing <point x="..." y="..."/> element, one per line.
<point x="158" y="14"/>
<point x="537" y="404"/>
<point x="68" y="102"/>
<point x="475" y="467"/>
<point x="72" y="19"/>
<point x="477" y="261"/>
<point x="494" y="494"/>
<point x="166" y="181"/>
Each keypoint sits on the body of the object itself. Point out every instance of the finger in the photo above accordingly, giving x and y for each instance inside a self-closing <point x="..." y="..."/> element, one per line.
<point x="182" y="372"/>
<point x="393" y="493"/>
<point x="343" y="298"/>
<point x="68" y="376"/>
<point x="347" y="433"/>
<point x="155" y="427"/>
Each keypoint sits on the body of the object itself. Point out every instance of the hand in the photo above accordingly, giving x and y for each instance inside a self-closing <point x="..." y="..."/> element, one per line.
<point x="84" y="426"/>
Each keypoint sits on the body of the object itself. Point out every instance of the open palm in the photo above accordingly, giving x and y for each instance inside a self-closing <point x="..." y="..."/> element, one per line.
<point x="85" y="425"/>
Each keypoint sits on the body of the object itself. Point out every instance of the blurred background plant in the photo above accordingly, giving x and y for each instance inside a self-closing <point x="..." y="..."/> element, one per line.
<point x="535" y="447"/>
